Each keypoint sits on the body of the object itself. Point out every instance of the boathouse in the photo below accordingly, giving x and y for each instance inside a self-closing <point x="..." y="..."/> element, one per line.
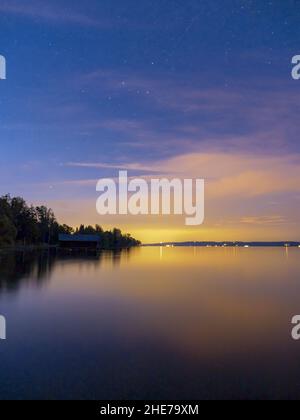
<point x="79" y="241"/>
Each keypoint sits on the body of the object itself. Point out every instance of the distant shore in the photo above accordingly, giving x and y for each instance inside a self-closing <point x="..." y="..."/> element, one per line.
<point x="229" y="244"/>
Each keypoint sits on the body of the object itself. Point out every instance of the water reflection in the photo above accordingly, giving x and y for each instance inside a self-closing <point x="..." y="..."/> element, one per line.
<point x="16" y="268"/>
<point x="158" y="323"/>
<point x="34" y="268"/>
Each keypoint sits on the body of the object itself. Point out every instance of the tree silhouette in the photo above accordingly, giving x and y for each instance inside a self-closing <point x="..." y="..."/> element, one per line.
<point x="27" y="225"/>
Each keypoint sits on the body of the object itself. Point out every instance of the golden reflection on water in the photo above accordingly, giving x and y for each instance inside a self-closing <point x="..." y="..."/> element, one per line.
<point x="166" y="319"/>
<point x="203" y="302"/>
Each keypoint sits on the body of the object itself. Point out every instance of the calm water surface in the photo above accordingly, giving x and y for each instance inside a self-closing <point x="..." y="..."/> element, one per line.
<point x="177" y="323"/>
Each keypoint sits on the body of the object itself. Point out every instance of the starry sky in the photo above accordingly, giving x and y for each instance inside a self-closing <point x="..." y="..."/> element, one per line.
<point x="193" y="88"/>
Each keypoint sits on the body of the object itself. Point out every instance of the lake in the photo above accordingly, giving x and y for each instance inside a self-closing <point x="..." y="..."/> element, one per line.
<point x="151" y="323"/>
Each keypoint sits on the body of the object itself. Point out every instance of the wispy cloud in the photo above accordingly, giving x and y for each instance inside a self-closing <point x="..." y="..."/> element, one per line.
<point x="247" y="196"/>
<point x="49" y="11"/>
<point x="68" y="12"/>
<point x="137" y="167"/>
<point x="264" y="220"/>
<point x="227" y="175"/>
<point x="258" y="116"/>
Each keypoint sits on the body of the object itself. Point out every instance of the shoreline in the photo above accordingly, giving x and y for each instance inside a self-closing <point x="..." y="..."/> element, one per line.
<point x="229" y="244"/>
<point x="29" y="248"/>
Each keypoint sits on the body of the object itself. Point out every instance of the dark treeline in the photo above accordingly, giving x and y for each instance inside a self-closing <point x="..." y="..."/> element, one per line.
<point x="109" y="239"/>
<point x="21" y="224"/>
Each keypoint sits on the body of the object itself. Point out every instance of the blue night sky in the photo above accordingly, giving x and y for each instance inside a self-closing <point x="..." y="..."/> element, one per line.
<point x="204" y="86"/>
